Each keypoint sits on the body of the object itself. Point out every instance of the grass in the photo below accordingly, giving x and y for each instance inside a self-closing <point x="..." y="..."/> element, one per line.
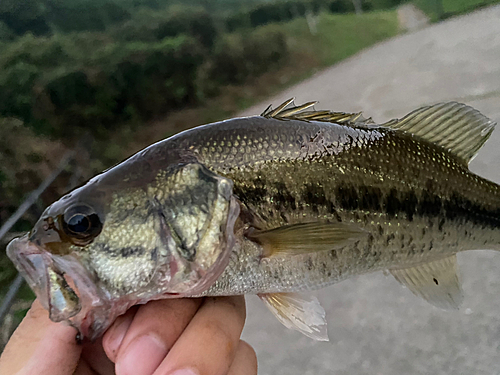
<point x="441" y="9"/>
<point x="340" y="36"/>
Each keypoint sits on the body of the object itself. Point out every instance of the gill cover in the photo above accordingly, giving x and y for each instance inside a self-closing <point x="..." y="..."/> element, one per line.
<point x="198" y="212"/>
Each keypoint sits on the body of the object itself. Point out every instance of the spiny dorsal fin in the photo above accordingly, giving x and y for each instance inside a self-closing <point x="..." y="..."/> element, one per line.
<point x="299" y="312"/>
<point x="458" y="128"/>
<point x="305" y="238"/>
<point x="436" y="282"/>
<point x="288" y="111"/>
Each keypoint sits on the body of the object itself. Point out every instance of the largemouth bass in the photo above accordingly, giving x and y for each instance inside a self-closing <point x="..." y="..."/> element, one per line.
<point x="292" y="200"/>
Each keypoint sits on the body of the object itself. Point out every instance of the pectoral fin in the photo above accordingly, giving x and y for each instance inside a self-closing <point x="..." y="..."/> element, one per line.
<point x="305" y="238"/>
<point x="294" y="311"/>
<point x="437" y="282"/>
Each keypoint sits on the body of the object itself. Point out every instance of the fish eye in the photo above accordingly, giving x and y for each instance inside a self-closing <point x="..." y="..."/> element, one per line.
<point x="78" y="223"/>
<point x="81" y="223"/>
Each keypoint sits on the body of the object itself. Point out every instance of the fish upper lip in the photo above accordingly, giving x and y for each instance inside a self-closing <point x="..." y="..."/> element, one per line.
<point x="31" y="262"/>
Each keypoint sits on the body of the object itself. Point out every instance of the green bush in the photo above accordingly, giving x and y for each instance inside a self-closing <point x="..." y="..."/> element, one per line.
<point x="282" y="11"/>
<point x="70" y="89"/>
<point x="16" y="96"/>
<point x="242" y="55"/>
<point x="6" y="33"/>
<point x="119" y="82"/>
<point x="39" y="51"/>
<point x="23" y="16"/>
<point x="67" y="16"/>
<point x="69" y="84"/>
<point x="152" y="26"/>
<point x="21" y="168"/>
<point x="195" y="22"/>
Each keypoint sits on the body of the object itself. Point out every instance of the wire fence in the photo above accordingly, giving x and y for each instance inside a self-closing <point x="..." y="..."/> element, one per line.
<point x="6" y="321"/>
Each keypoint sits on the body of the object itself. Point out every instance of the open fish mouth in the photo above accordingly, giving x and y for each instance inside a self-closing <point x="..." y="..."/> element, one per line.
<point x="61" y="284"/>
<point x="32" y="263"/>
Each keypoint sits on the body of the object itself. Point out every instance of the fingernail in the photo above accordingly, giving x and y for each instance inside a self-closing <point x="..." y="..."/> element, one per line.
<point x="184" y="371"/>
<point x="142" y="356"/>
<point x="117" y="334"/>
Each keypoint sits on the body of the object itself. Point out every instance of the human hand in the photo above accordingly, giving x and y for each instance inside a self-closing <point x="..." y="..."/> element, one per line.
<point x="161" y="337"/>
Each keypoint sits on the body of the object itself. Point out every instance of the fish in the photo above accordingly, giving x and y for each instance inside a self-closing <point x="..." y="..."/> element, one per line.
<point x="276" y="205"/>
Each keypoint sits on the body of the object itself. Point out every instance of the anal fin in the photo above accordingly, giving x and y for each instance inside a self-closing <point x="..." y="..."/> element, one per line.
<point x="437" y="282"/>
<point x="294" y="311"/>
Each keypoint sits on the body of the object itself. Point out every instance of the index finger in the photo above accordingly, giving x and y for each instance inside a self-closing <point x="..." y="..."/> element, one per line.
<point x="209" y="343"/>
<point x="40" y="346"/>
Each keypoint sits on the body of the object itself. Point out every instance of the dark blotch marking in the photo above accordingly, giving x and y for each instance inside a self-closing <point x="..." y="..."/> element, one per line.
<point x="154" y="254"/>
<point x="369" y="198"/>
<point x="131" y="251"/>
<point x="395" y="203"/>
<point x="283" y="197"/>
<point x="314" y="196"/>
<point x="409" y="202"/>
<point x="125" y="252"/>
<point x="389" y="238"/>
<point x="459" y="208"/>
<point x="254" y="194"/>
<point x="347" y="197"/>
<point x="392" y="203"/>
<point x="430" y="204"/>
<point x="435" y="281"/>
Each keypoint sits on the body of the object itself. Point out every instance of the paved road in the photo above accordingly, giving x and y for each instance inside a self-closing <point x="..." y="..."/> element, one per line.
<point x="376" y="326"/>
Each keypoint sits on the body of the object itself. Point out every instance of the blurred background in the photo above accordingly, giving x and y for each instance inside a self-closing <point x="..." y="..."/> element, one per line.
<point x="86" y="83"/>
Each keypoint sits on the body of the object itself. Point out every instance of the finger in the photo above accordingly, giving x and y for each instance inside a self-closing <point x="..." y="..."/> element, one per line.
<point x="115" y="334"/>
<point x="245" y="360"/>
<point x="93" y="354"/>
<point x="40" y="346"/>
<point x="154" y="330"/>
<point x="208" y="344"/>
<point x="84" y="368"/>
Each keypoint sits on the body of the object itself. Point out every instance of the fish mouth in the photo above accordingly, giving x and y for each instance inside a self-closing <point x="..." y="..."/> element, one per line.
<point x="45" y="276"/>
<point x="66" y="288"/>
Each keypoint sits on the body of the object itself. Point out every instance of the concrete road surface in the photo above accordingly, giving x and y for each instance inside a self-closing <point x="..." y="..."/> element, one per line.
<point x="375" y="325"/>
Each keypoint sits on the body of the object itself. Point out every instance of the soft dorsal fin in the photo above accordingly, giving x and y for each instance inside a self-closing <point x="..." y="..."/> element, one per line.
<point x="288" y="111"/>
<point x="458" y="128"/>
<point x="437" y="282"/>
<point x="300" y="312"/>
<point x="305" y="238"/>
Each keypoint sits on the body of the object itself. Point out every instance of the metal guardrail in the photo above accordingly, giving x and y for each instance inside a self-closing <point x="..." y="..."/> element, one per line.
<point x="7" y="226"/>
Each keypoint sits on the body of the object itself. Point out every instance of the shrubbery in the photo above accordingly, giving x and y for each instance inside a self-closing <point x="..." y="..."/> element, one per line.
<point x="239" y="56"/>
<point x="282" y="11"/>
<point x="106" y="63"/>
<point x="93" y="82"/>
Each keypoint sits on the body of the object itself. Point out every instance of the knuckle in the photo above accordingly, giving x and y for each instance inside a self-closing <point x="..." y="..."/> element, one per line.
<point x="220" y="337"/>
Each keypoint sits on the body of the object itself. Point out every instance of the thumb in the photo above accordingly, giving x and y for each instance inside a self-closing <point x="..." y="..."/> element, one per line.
<point x="40" y="346"/>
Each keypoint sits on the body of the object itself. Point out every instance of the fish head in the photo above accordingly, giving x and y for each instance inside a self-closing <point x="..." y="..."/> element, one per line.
<point x="127" y="238"/>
